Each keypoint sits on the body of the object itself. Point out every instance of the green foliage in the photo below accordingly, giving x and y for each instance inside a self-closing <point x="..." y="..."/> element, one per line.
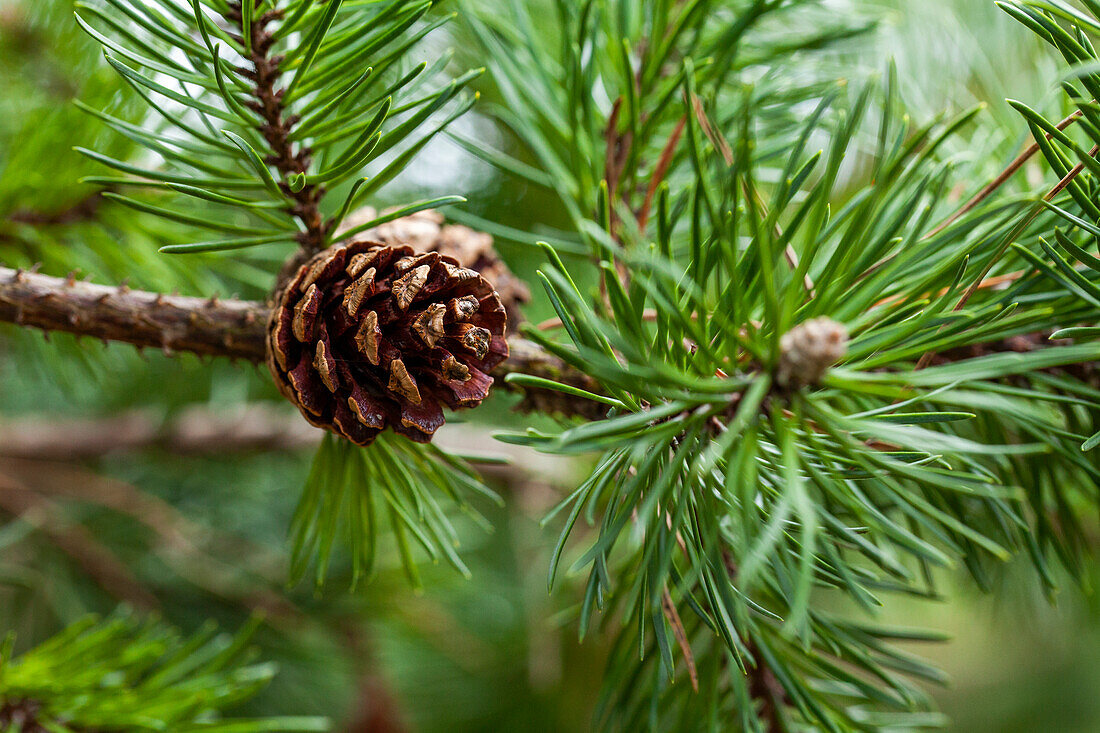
<point x="720" y="189"/>
<point x="1067" y="151"/>
<point x="594" y="92"/>
<point x="394" y="479"/>
<point x="250" y="160"/>
<point x="262" y="109"/>
<point x="742" y="501"/>
<point x="126" y="674"/>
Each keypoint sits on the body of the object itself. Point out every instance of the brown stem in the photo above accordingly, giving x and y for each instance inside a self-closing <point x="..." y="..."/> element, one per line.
<point x="1051" y="195"/>
<point x="660" y="171"/>
<point x="1020" y="228"/>
<point x="765" y="688"/>
<point x="982" y="195"/>
<point x="232" y="328"/>
<point x="23" y="715"/>
<point x="1000" y="180"/>
<point x="210" y="327"/>
<point x="377" y="709"/>
<point x="288" y="159"/>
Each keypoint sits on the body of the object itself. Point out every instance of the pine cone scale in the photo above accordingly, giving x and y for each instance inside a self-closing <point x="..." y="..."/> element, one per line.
<point x="472" y="252"/>
<point x="368" y="337"/>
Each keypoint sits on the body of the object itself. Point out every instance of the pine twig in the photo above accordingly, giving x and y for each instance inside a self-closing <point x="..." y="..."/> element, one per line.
<point x="211" y="327"/>
<point x="1000" y="180"/>
<point x="988" y="190"/>
<point x="207" y="327"/>
<point x="277" y="128"/>
<point x="1016" y="232"/>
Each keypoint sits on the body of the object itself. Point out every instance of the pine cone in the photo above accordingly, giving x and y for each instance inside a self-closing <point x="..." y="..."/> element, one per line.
<point x="366" y="337"/>
<point x="808" y="350"/>
<point x="425" y="231"/>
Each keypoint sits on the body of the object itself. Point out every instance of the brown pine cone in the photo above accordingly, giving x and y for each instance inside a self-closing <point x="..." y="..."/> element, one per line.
<point x="425" y="231"/>
<point x="366" y="337"/>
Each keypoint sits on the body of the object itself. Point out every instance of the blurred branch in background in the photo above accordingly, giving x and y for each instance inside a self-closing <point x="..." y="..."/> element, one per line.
<point x="37" y="488"/>
<point x="75" y="540"/>
<point x="197" y="430"/>
<point x="46" y="446"/>
<point x="82" y="210"/>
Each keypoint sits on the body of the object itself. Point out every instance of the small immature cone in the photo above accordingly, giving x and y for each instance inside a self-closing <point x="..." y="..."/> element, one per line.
<point x="808" y="350"/>
<point x="367" y="336"/>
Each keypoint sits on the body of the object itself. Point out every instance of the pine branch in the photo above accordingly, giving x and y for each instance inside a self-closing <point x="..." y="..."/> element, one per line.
<point x="210" y="327"/>
<point x="173" y="323"/>
<point x="237" y="329"/>
<point x="124" y="673"/>
<point x="278" y="126"/>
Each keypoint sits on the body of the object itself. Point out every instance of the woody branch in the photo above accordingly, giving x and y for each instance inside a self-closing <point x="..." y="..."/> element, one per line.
<point x="211" y="327"/>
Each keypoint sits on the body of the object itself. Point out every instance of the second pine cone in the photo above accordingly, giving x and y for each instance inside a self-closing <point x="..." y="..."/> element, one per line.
<point x="366" y="337"/>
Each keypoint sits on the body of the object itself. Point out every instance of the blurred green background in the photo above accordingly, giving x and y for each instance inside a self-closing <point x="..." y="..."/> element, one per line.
<point x="203" y="536"/>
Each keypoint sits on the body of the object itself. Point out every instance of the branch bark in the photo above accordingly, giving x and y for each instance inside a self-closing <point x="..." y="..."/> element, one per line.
<point x="288" y="159"/>
<point x="210" y="327"/>
<point x="171" y="323"/>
